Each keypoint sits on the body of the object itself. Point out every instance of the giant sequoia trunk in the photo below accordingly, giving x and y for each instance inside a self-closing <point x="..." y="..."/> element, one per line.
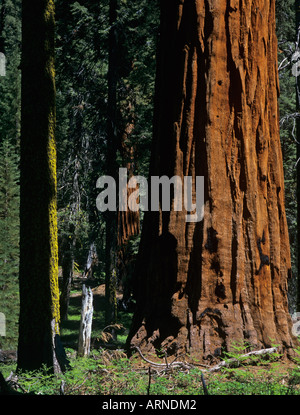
<point x="39" y="294"/>
<point x="202" y="286"/>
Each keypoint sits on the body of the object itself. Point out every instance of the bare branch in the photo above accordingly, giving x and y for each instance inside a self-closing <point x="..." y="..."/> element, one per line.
<point x="224" y="363"/>
<point x="233" y="361"/>
<point x="164" y="365"/>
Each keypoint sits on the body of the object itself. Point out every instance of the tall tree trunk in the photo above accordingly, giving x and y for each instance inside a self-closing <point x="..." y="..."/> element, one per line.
<point x="39" y="293"/>
<point x="203" y="285"/>
<point x="67" y="265"/>
<point x="129" y="220"/>
<point x="297" y="6"/>
<point x="111" y="163"/>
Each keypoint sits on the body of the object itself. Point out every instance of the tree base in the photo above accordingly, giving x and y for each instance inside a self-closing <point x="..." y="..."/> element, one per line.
<point x="216" y="330"/>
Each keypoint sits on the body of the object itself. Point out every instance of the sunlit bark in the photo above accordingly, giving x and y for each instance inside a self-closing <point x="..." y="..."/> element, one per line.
<point x="202" y="286"/>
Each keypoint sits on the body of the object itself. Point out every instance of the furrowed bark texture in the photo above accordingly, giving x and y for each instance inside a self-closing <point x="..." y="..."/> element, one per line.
<point x="39" y="293"/>
<point x="202" y="286"/>
<point x="129" y="220"/>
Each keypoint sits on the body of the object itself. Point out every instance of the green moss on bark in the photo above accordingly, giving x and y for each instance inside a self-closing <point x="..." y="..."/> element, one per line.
<point x="39" y="294"/>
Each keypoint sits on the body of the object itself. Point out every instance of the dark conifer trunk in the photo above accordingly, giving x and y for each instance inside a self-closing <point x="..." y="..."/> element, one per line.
<point x="111" y="167"/>
<point x="67" y="266"/>
<point x="297" y="6"/>
<point x="202" y="286"/>
<point x="39" y="294"/>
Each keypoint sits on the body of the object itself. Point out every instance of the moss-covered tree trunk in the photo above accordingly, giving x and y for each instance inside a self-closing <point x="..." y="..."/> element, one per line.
<point x="39" y="294"/>
<point x="202" y="286"/>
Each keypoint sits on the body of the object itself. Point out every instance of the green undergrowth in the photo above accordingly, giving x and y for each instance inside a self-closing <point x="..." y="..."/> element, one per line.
<point x="107" y="372"/>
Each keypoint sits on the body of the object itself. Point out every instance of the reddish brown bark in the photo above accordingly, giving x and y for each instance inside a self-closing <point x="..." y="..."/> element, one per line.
<point x="202" y="286"/>
<point x="128" y="221"/>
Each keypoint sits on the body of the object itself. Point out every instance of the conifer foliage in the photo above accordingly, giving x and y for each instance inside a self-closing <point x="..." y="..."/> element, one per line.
<point x="10" y="36"/>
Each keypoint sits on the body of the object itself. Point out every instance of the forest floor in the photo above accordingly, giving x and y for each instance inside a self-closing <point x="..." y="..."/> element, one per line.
<point x="108" y="370"/>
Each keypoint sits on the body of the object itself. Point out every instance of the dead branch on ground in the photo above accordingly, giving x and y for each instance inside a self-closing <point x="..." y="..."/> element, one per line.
<point x="225" y="363"/>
